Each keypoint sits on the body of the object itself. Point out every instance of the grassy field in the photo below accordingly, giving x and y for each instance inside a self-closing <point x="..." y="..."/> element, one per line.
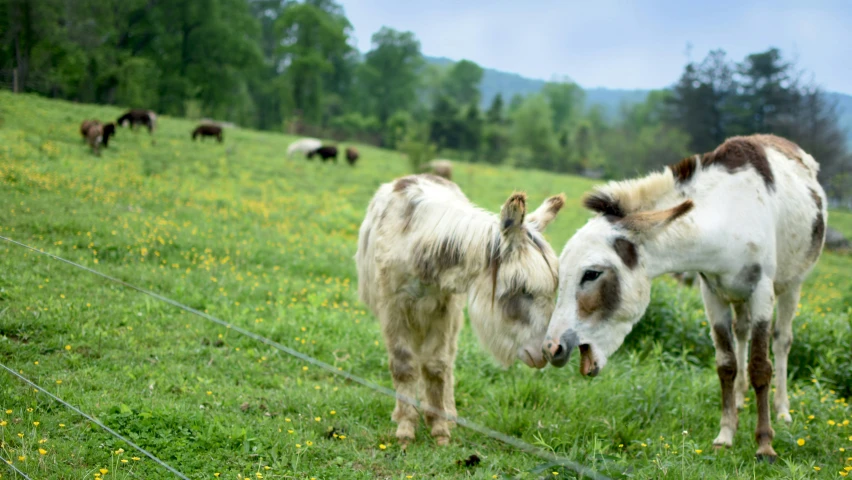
<point x="241" y="232"/>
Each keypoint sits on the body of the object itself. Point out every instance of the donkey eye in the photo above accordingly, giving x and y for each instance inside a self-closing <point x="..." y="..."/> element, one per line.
<point x="590" y="275"/>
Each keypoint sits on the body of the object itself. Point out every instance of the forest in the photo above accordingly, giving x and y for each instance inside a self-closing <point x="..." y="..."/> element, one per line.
<point x="285" y="65"/>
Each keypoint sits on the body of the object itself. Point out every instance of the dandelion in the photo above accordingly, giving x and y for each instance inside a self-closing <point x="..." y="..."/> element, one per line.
<point x="104" y="471"/>
<point x="305" y="369"/>
<point x="318" y="419"/>
<point x="3" y="423"/>
<point x="209" y="392"/>
<point x="42" y="451"/>
<point x="309" y="443"/>
<point x="698" y="451"/>
<point x="135" y="459"/>
<point x="67" y="347"/>
<point x="123" y="460"/>
<point x="382" y="446"/>
<point x="8" y="412"/>
<point x="801" y="442"/>
<point x="61" y="425"/>
<point x="286" y="419"/>
<point x="832" y="422"/>
<point x="216" y="474"/>
<point x="59" y="382"/>
<point x="817" y="469"/>
<point x="298" y="445"/>
<point x="644" y="445"/>
<point x="332" y="412"/>
<point x="22" y="458"/>
<point x="342" y="437"/>
<point x="36" y="423"/>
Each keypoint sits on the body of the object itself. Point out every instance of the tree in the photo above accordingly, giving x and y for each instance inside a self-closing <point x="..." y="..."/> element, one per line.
<point x="495" y="111"/>
<point x="461" y="82"/>
<point x="445" y="129"/>
<point x="389" y="74"/>
<point x="472" y="124"/>
<point x="566" y="102"/>
<point x="532" y="134"/>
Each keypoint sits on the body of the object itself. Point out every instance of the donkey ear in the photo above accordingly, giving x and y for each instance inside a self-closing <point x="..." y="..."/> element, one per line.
<point x="648" y="222"/>
<point x="513" y="211"/>
<point x="598" y="201"/>
<point x="543" y="215"/>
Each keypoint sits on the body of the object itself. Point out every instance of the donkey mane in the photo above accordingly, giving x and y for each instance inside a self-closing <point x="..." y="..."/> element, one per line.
<point x="621" y="198"/>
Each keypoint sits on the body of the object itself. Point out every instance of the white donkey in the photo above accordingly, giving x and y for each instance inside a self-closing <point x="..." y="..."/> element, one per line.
<point x="422" y="247"/>
<point x="749" y="217"/>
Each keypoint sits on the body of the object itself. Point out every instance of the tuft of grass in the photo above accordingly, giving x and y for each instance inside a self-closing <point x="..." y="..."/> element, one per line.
<point x="241" y="232"/>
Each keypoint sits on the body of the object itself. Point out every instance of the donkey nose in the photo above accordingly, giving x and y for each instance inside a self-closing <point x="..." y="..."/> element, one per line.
<point x="556" y="352"/>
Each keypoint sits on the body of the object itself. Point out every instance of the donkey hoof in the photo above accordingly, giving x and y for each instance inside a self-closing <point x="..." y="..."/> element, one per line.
<point x="442" y="440"/>
<point x="785" y="416"/>
<point x="770" y="459"/>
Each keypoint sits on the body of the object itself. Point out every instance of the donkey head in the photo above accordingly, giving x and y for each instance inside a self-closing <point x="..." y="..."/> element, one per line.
<point x="511" y="301"/>
<point x="603" y="285"/>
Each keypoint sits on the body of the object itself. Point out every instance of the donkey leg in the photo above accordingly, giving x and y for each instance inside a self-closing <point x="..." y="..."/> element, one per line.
<point x="781" y="343"/>
<point x="759" y="366"/>
<point x="456" y="321"/>
<point x="436" y="368"/>
<point x="719" y="316"/>
<point x="405" y="373"/>
<point x="742" y="331"/>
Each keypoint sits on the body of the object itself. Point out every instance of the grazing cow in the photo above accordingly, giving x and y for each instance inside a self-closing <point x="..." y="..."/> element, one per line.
<point x="351" y="155"/>
<point x="421" y="248"/>
<point x="749" y="217"/>
<point x="441" y="168"/>
<point x="325" y="152"/>
<point x="207" y="130"/>
<point x="138" y="116"/>
<point x="304" y="145"/>
<point x="96" y="134"/>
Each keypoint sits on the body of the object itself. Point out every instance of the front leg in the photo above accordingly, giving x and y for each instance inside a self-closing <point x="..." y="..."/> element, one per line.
<point x="742" y="330"/>
<point x="760" y="368"/>
<point x="719" y="316"/>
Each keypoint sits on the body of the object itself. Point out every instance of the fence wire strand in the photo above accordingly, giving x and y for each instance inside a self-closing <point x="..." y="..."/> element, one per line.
<point x="488" y="432"/>
<point x="15" y="469"/>
<point x="95" y="421"/>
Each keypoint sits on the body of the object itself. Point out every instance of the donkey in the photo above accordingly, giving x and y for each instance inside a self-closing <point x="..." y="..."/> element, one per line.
<point x="303" y="145"/>
<point x="421" y="248"/>
<point x="749" y="216"/>
<point x="96" y="134"/>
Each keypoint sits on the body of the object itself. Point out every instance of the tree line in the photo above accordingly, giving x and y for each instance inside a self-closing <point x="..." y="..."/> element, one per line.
<point x="291" y="66"/>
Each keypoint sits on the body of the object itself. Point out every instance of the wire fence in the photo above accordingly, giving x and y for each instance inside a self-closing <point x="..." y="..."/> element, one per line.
<point x="95" y="421"/>
<point x="14" y="468"/>
<point x="461" y="421"/>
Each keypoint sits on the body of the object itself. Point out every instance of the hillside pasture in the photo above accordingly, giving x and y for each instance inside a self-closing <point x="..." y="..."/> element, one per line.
<point x="239" y="231"/>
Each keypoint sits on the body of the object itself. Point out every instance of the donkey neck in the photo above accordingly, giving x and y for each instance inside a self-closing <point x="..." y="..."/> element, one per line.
<point x="684" y="245"/>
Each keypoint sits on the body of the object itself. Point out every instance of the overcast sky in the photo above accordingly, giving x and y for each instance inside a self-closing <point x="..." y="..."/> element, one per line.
<point x="617" y="44"/>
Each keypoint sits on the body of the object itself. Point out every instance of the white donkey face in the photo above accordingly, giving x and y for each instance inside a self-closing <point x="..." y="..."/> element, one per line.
<point x="603" y="286"/>
<point x="511" y="303"/>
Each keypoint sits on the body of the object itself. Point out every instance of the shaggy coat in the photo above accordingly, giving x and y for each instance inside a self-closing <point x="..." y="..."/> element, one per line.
<point x="351" y="155"/>
<point x="304" y="145"/>
<point x="749" y="217"/>
<point x="138" y="117"/>
<point x="325" y="152"/>
<point x="96" y="134"/>
<point x="208" y="130"/>
<point x="422" y="248"/>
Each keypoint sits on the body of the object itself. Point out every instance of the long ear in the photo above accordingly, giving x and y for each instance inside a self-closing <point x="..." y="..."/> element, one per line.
<point x="543" y="215"/>
<point x="604" y="203"/>
<point x="648" y="222"/>
<point x="513" y="211"/>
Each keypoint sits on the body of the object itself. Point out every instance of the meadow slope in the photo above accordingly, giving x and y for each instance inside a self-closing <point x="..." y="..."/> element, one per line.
<point x="241" y="232"/>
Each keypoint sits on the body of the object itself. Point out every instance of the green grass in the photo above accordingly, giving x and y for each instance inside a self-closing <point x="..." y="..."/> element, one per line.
<point x="241" y="232"/>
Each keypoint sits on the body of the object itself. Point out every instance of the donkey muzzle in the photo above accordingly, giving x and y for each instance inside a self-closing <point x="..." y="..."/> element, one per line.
<point x="557" y="352"/>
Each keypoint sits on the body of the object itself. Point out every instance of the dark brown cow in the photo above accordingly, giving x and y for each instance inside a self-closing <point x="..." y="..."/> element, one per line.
<point x="138" y="116"/>
<point x="351" y="155"/>
<point x="208" y="130"/>
<point x="325" y="152"/>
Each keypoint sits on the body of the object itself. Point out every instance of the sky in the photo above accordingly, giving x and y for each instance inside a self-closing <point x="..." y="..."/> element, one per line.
<point x="618" y="44"/>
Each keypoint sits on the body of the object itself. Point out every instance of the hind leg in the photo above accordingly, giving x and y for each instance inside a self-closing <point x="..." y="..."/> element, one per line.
<point x="761" y="304"/>
<point x="781" y="343"/>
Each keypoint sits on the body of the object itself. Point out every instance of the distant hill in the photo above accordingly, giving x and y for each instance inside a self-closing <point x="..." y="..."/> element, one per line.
<point x="509" y="84"/>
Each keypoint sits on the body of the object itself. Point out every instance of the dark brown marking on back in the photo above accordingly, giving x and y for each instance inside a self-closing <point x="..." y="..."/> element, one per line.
<point x="604" y="297"/>
<point x="626" y="250"/>
<point x="818" y="227"/>
<point x="437" y="179"/>
<point x="603" y="203"/>
<point x="786" y="147"/>
<point x="684" y="169"/>
<point x="739" y="152"/>
<point x="403" y="183"/>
